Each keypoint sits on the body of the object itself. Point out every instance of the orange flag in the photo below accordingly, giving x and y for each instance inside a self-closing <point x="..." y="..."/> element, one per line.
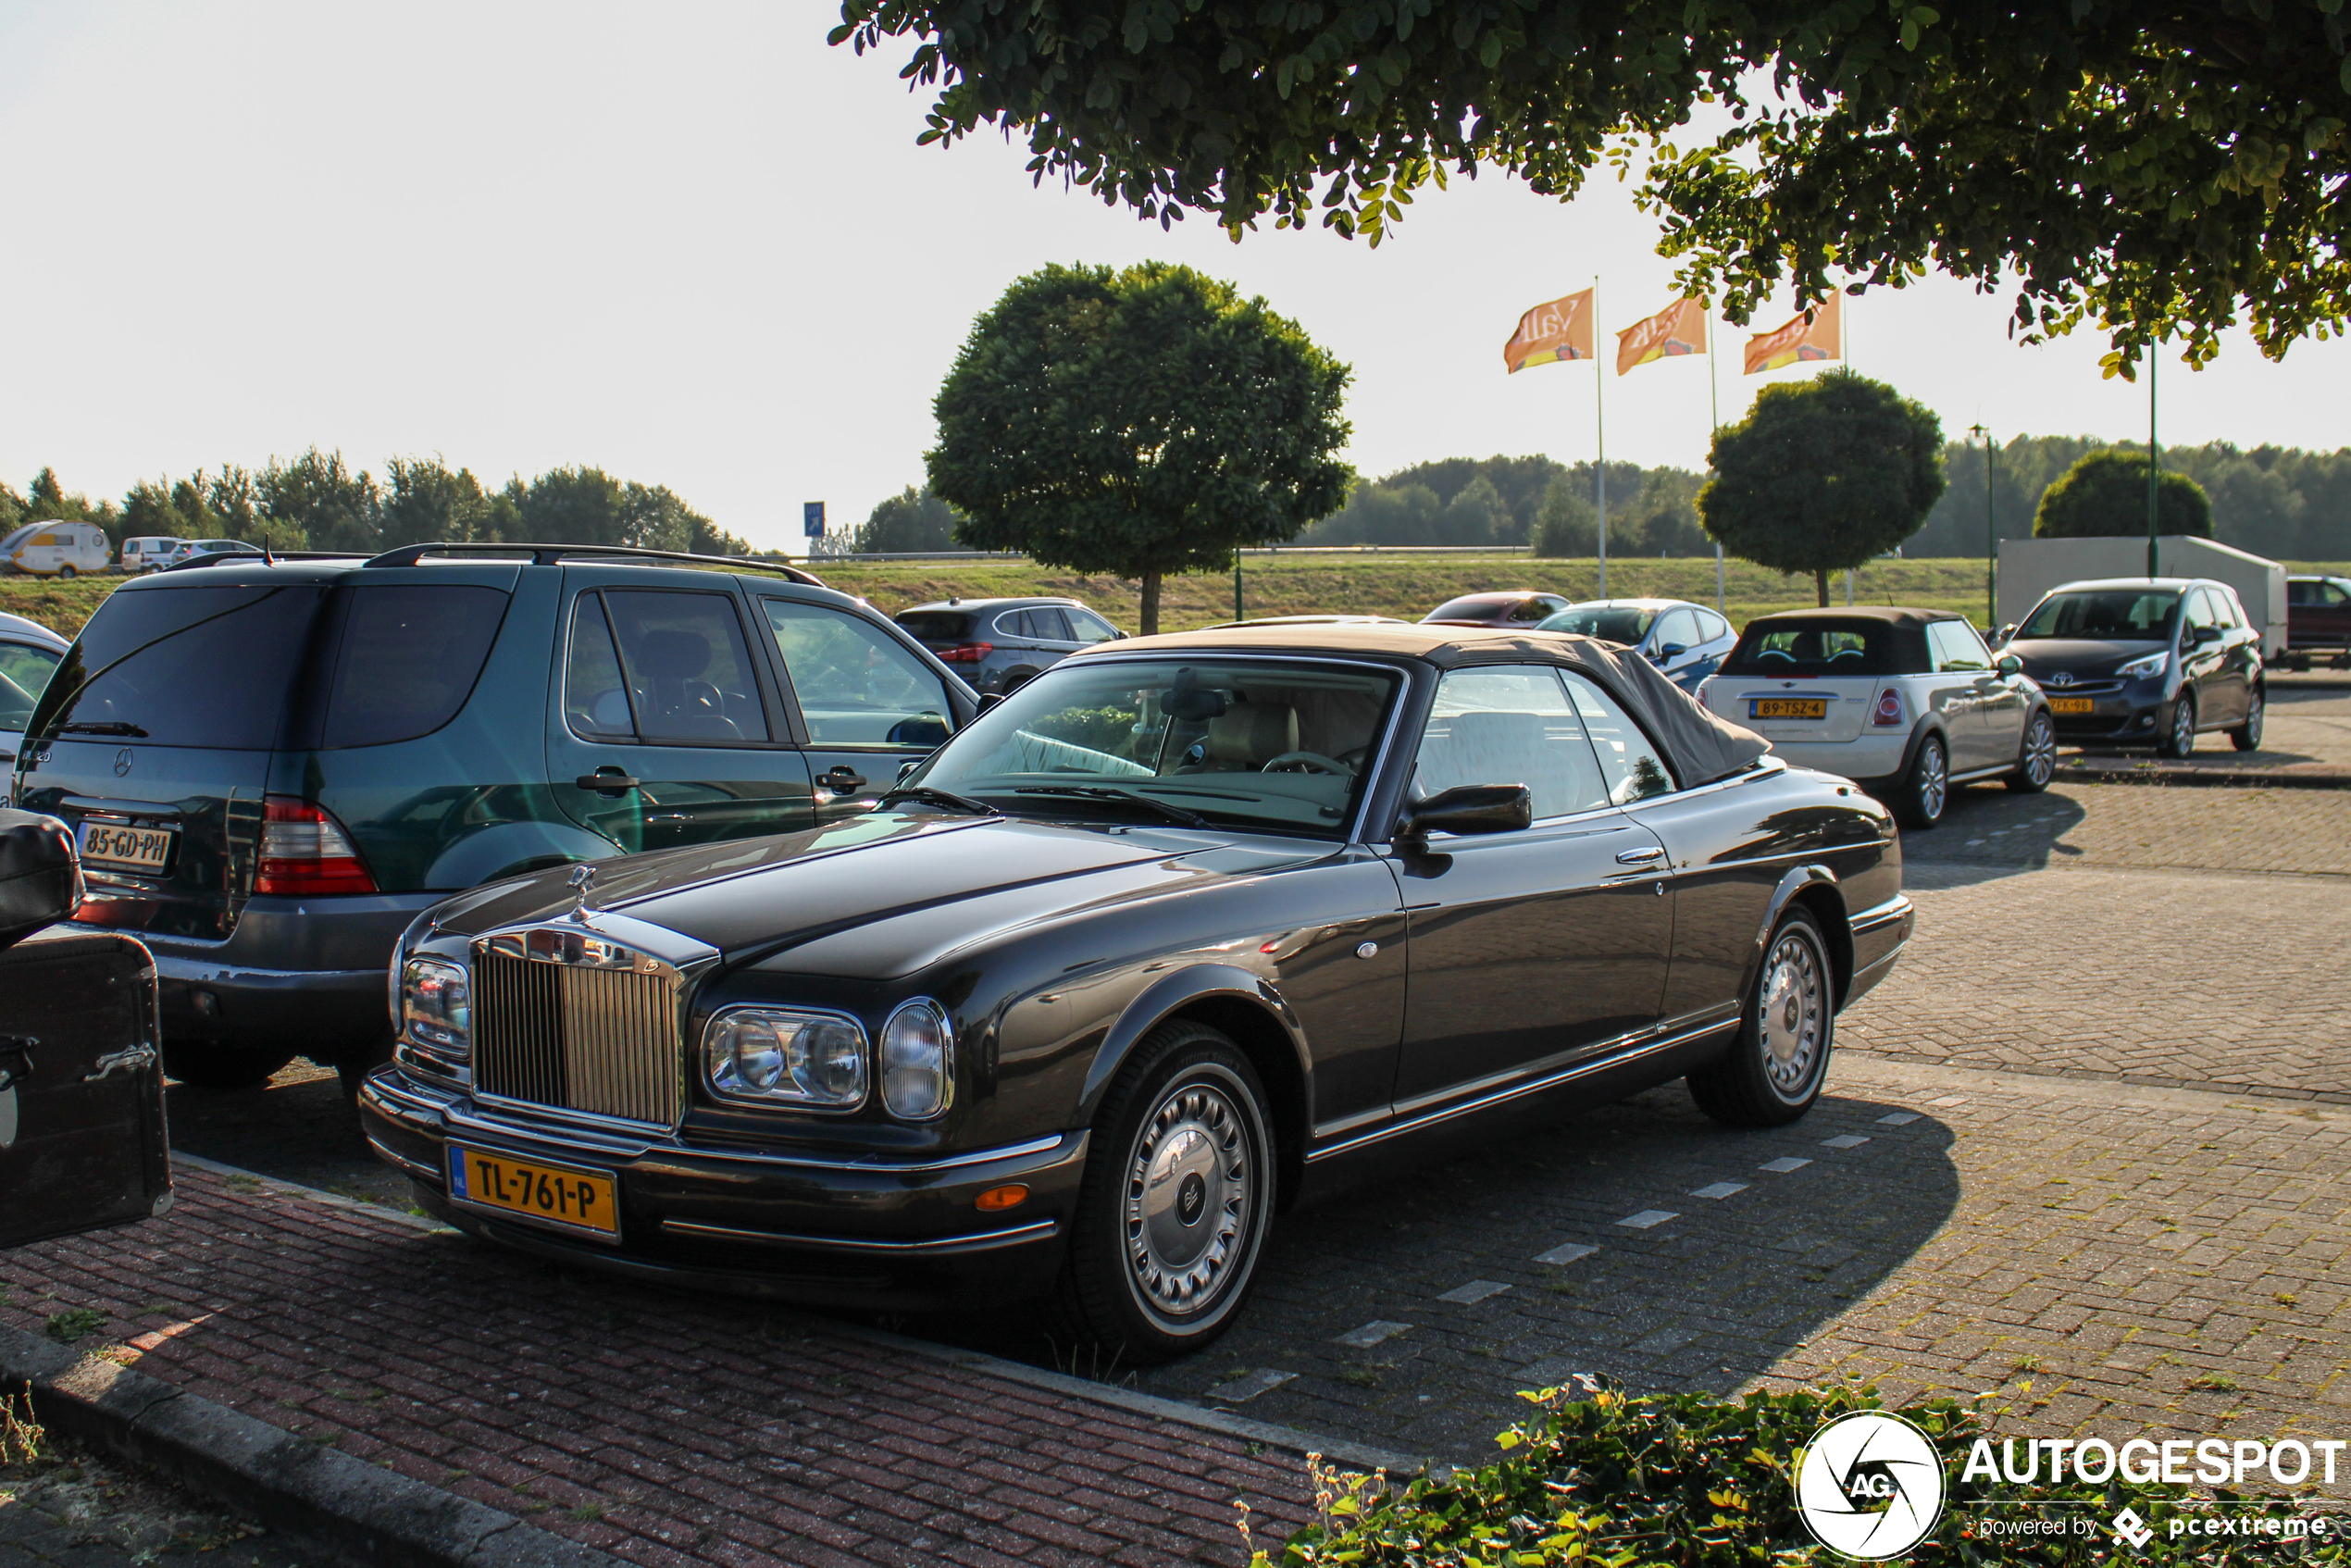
<point x="1677" y="330"/>
<point x="1818" y="333"/>
<point x="1561" y="330"/>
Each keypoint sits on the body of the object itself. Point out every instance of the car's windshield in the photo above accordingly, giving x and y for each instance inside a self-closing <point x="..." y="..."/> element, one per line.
<point x="2109" y="614"/>
<point x="1613" y="623"/>
<point x="24" y="670"/>
<point x="1279" y="745"/>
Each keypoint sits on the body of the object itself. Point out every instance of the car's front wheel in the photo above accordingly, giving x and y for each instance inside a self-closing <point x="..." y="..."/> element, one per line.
<point x="2246" y="736"/>
<point x="2180" y="741"/>
<point x="2036" y="760"/>
<point x="1176" y="1196"/>
<point x="1774" y="1068"/>
<point x="1927" y="788"/>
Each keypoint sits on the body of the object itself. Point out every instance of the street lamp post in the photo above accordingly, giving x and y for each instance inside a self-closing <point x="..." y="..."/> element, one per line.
<point x="2154" y="464"/>
<point x="1991" y="539"/>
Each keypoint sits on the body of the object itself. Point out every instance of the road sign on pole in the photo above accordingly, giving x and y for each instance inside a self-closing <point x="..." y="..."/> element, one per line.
<point x="811" y="518"/>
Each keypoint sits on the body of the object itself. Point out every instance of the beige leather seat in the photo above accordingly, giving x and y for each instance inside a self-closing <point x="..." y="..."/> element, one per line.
<point x="1250" y="735"/>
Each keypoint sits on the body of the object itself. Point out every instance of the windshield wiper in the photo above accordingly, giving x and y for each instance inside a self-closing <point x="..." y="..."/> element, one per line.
<point x="1124" y="797"/>
<point x="102" y="727"/>
<point x="929" y="796"/>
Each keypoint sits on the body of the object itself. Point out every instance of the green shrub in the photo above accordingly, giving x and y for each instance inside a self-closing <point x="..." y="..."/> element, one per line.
<point x="1699" y="1482"/>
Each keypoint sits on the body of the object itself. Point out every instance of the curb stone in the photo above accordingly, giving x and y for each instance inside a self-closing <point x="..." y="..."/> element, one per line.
<point x="307" y="1491"/>
<point x="2207" y="777"/>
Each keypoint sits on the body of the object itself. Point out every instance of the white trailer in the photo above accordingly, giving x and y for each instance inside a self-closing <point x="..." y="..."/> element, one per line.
<point x="2030" y="568"/>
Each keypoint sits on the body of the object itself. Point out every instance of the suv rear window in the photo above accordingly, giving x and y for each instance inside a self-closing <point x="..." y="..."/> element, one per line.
<point x="1826" y="646"/>
<point x="184" y="666"/>
<point x="937" y="626"/>
<point x="411" y="654"/>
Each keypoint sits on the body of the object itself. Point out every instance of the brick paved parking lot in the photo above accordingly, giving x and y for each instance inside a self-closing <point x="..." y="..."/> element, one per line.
<point x="2307" y="731"/>
<point x="2087" y="1150"/>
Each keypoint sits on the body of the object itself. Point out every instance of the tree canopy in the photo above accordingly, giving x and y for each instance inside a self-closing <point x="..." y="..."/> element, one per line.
<point x="2106" y="494"/>
<point x="1140" y="422"/>
<point x="1823" y="475"/>
<point x="2158" y="169"/>
<point x="912" y="522"/>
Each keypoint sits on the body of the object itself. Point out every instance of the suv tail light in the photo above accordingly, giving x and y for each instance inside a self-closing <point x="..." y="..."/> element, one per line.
<point x="305" y="850"/>
<point x="1889" y="707"/>
<point x="966" y="653"/>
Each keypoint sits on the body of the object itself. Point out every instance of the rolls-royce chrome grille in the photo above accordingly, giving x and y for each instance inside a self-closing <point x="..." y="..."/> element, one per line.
<point x="571" y="1020"/>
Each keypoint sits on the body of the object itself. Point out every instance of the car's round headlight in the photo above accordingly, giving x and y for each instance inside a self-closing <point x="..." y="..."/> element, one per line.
<point x="436" y="1004"/>
<point x="786" y="1056"/>
<point x="918" y="1060"/>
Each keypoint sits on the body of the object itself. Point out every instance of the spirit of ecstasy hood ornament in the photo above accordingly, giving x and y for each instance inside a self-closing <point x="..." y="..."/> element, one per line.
<point x="582" y="878"/>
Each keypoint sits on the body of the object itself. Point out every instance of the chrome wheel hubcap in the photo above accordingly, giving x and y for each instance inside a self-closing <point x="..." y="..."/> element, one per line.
<point x="1934" y="779"/>
<point x="2253" y="721"/>
<point x="2183" y="727"/>
<point x="1191" y="1188"/>
<point x="1790" y="1015"/>
<point x="2040" y="751"/>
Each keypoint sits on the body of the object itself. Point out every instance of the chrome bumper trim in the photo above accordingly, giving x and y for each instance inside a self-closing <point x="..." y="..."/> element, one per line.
<point x="983" y="1242"/>
<point x="393" y="1157"/>
<point x="1899" y="907"/>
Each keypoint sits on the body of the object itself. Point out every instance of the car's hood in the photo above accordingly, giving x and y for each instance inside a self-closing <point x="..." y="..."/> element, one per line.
<point x="909" y="886"/>
<point x="2083" y="657"/>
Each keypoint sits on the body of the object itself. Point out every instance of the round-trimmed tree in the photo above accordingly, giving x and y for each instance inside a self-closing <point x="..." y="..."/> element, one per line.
<point x="2106" y="495"/>
<point x="1137" y="422"/>
<point x="1823" y="476"/>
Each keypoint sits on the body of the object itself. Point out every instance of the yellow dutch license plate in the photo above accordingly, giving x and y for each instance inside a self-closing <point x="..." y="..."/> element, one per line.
<point x="133" y="849"/>
<point x="555" y="1194"/>
<point x="1788" y="707"/>
<point x="2069" y="704"/>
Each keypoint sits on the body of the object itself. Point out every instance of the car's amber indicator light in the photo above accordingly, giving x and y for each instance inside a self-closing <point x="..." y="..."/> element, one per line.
<point x="997" y="1198"/>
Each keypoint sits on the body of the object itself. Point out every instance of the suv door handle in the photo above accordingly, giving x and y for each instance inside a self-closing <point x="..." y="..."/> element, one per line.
<point x="842" y="779"/>
<point x="1639" y="856"/>
<point x="606" y="781"/>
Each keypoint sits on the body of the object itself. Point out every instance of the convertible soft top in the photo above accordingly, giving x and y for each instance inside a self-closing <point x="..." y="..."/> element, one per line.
<point x="1699" y="746"/>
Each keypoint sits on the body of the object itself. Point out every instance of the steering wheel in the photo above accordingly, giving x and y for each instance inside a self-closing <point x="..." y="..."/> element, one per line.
<point x="1307" y="762"/>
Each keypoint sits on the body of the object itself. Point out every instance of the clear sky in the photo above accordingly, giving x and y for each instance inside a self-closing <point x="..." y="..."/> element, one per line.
<point x="695" y="246"/>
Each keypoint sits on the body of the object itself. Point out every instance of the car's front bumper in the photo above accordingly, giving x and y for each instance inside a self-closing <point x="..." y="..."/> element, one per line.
<point x="892" y="1235"/>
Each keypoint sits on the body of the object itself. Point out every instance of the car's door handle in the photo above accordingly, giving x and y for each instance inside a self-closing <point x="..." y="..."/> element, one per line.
<point x="842" y="779"/>
<point x="602" y="782"/>
<point x="1639" y="856"/>
<point x="127" y="1061"/>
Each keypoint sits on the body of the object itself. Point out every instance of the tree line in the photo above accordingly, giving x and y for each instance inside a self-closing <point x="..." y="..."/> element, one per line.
<point x="319" y="502"/>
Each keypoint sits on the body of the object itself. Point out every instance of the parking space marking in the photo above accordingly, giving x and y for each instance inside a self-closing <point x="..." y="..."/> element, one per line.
<point x="1946" y="1101"/>
<point x="1566" y="1253"/>
<point x="1783" y="1165"/>
<point x="1241" y="1390"/>
<point x="1719" y="1189"/>
<point x="1846" y="1141"/>
<point x="1899" y="1119"/>
<point x="1476" y="1291"/>
<point x="1371" y="1334"/>
<point x="1646" y="1218"/>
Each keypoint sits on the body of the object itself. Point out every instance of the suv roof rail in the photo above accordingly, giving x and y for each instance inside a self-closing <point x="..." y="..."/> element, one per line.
<point x="220" y="557"/>
<point x="554" y="554"/>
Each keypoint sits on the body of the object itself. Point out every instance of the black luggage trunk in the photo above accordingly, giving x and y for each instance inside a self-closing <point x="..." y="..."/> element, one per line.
<point x="83" y="1143"/>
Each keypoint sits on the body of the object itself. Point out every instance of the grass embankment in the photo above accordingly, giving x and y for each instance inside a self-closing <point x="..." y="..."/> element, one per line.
<point x="1407" y="587"/>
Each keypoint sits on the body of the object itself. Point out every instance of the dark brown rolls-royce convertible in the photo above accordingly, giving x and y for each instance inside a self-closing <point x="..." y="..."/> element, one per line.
<point x="1185" y="930"/>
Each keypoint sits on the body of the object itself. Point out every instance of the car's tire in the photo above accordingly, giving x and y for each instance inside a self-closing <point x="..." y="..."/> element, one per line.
<point x="65" y="573"/>
<point x="1014" y="679"/>
<point x="203" y="1064"/>
<point x="1780" y="1057"/>
<point x="2036" y="758"/>
<point x="1926" y="789"/>
<point x="1182" y="1130"/>
<point x="2246" y="736"/>
<point x="2178" y="741"/>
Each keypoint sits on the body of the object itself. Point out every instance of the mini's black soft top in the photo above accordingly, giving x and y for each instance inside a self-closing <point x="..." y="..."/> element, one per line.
<point x="1892" y="615"/>
<point x="1699" y="746"/>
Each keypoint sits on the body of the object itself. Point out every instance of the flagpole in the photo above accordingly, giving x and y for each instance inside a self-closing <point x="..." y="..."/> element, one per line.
<point x="1714" y="407"/>
<point x="1600" y="418"/>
